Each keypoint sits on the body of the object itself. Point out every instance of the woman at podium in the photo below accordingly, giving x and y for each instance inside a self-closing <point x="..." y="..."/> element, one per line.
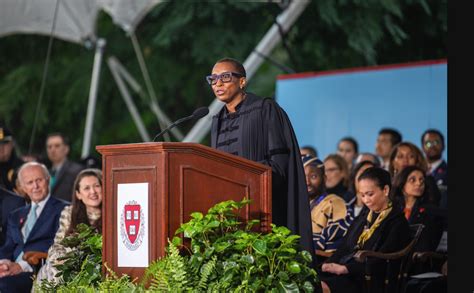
<point x="258" y="129"/>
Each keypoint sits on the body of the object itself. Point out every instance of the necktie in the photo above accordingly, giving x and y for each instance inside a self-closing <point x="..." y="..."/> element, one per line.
<point x="52" y="179"/>
<point x="30" y="222"/>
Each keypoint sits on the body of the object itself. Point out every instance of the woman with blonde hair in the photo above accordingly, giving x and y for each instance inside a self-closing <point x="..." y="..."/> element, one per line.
<point x="337" y="176"/>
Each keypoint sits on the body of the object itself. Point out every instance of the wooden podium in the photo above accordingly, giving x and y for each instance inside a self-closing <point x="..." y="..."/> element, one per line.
<point x="176" y="179"/>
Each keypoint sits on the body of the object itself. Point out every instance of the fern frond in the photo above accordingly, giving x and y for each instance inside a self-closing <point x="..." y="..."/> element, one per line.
<point x="206" y="271"/>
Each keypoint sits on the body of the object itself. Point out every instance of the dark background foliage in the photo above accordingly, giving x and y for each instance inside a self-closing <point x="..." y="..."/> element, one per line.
<point x="181" y="40"/>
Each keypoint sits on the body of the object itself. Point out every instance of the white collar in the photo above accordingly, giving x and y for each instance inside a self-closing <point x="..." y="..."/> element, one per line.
<point x="41" y="204"/>
<point x="435" y="165"/>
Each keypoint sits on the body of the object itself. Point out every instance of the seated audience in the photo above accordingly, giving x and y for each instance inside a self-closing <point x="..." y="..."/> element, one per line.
<point x="386" y="140"/>
<point x="410" y="192"/>
<point x="382" y="227"/>
<point x="9" y="161"/>
<point x="9" y="201"/>
<point x="308" y="150"/>
<point x="355" y="205"/>
<point x="432" y="142"/>
<point x="30" y="228"/>
<point x="337" y="176"/>
<point x="17" y="188"/>
<point x="63" y="171"/>
<point x="368" y="157"/>
<point x="86" y="208"/>
<point x="407" y="154"/>
<point x="348" y="148"/>
<point x="329" y="217"/>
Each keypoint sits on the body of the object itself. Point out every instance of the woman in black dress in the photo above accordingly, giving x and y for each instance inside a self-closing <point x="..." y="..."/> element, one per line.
<point x="382" y="227"/>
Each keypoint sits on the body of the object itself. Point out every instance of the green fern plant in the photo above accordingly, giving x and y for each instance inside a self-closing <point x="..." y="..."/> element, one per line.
<point x="168" y="273"/>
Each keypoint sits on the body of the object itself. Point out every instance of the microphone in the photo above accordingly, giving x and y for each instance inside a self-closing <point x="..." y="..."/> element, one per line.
<point x="197" y="114"/>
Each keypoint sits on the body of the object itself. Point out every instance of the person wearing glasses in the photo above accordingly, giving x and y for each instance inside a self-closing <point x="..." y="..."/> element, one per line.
<point x="337" y="176"/>
<point x="258" y="129"/>
<point x="433" y="146"/>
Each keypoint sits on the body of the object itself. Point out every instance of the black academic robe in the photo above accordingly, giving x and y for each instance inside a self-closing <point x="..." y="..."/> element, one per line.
<point x="263" y="133"/>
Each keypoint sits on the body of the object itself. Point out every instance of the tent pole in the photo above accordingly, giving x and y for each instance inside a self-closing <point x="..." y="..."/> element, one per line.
<point x="151" y="90"/>
<point x="251" y="64"/>
<point x="99" y="52"/>
<point x="114" y="68"/>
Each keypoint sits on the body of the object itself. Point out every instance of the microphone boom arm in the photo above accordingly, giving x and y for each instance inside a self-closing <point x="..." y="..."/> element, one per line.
<point x="172" y="125"/>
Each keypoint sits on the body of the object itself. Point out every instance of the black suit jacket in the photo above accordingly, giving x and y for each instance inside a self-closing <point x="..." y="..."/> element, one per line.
<point x="424" y="213"/>
<point x="9" y="201"/>
<point x="440" y="174"/>
<point x="65" y="180"/>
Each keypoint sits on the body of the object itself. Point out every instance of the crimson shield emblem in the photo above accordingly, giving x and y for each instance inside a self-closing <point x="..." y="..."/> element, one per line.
<point x="132" y="221"/>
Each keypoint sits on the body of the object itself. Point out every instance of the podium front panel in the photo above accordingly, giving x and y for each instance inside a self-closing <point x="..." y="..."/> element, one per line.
<point x="174" y="180"/>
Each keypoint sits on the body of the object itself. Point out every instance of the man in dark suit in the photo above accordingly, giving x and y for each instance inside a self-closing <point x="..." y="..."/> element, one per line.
<point x="63" y="172"/>
<point x="9" y="201"/>
<point x="30" y="228"/>
<point x="432" y="141"/>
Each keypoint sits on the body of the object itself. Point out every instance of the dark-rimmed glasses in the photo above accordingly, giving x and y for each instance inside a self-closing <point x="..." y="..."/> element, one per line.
<point x="224" y="77"/>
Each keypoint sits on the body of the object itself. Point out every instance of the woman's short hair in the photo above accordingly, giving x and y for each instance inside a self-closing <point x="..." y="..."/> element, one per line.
<point x="354" y="172"/>
<point x="380" y="176"/>
<point x="237" y="65"/>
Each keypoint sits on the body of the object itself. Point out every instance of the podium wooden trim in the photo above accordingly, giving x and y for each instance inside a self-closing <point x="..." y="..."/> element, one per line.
<point x="182" y="178"/>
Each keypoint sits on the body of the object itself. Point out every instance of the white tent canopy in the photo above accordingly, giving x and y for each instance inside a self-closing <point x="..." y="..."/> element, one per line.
<point x="126" y="13"/>
<point x="75" y="20"/>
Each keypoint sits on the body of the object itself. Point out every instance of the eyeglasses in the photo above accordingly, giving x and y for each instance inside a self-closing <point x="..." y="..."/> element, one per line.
<point x="224" y="77"/>
<point x="330" y="170"/>
<point x="432" y="143"/>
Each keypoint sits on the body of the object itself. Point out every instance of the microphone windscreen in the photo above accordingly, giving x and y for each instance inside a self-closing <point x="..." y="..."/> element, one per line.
<point x="200" y="112"/>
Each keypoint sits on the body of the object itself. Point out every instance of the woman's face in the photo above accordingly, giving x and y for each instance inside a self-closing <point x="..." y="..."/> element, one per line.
<point x="405" y="157"/>
<point x="227" y="91"/>
<point x="90" y="192"/>
<point x="415" y="185"/>
<point x="347" y="151"/>
<point x="375" y="198"/>
<point x="333" y="173"/>
<point x="356" y="183"/>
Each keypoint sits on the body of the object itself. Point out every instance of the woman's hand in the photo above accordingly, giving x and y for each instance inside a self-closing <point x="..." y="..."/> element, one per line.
<point x="334" y="268"/>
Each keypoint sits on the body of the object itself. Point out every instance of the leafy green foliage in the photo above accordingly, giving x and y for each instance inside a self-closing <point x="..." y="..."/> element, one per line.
<point x="81" y="267"/>
<point x="226" y="255"/>
<point x="181" y="40"/>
